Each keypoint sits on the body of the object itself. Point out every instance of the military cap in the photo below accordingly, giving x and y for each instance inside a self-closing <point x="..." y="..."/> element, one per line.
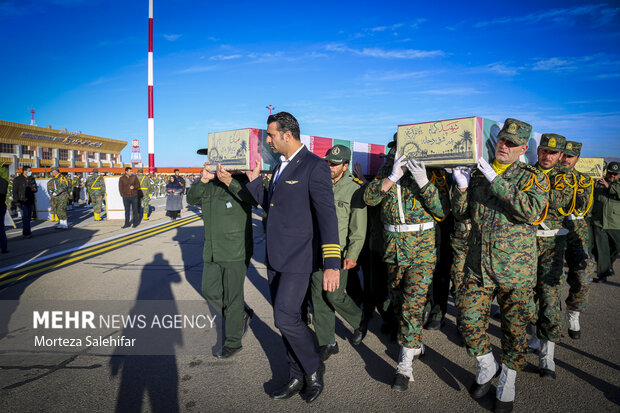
<point x="515" y="131"/>
<point x="614" y="167"/>
<point x="572" y="148"/>
<point x="339" y="154"/>
<point x="95" y="171"/>
<point x="54" y="168"/>
<point x="140" y="170"/>
<point x="552" y="142"/>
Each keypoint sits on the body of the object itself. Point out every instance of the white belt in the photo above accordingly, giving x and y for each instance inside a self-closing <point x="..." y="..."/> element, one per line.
<point x="462" y="226"/>
<point x="410" y="228"/>
<point x="551" y="232"/>
<point x="573" y="217"/>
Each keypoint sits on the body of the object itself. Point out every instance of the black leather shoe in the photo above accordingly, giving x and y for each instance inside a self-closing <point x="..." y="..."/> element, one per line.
<point x="574" y="334"/>
<point x="125" y="226"/>
<point x="401" y="382"/>
<point x="502" y="407"/>
<point x="291" y="388"/>
<point x="600" y="280"/>
<point x="328" y="350"/>
<point x="227" y="352"/>
<point x="434" y="325"/>
<point x="314" y="384"/>
<point x="247" y="317"/>
<point x="478" y="391"/>
<point x="547" y="374"/>
<point x="359" y="333"/>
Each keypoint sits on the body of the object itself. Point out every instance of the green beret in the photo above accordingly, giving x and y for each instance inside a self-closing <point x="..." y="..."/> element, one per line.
<point x="552" y="142"/>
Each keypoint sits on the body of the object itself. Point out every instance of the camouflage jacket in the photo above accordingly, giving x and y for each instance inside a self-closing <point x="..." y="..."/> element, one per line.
<point x="351" y="214"/>
<point x="606" y="208"/>
<point x="145" y="184"/>
<point x="95" y="185"/>
<point x="420" y="205"/>
<point x="58" y="187"/>
<point x="502" y="240"/>
<point x="562" y="196"/>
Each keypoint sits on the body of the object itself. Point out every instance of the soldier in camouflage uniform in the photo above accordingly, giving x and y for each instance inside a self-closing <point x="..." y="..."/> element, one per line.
<point x="410" y="207"/>
<point x="580" y="263"/>
<point x="144" y="193"/>
<point x="551" y="244"/>
<point x="95" y="186"/>
<point x="502" y="200"/>
<point x="351" y="214"/>
<point x="58" y="189"/>
<point x="76" y="185"/>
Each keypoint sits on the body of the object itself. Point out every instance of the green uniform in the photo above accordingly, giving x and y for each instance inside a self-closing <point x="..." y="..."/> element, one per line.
<point x="410" y="247"/>
<point x="95" y="186"/>
<point x="227" y="217"/>
<point x="351" y="214"/>
<point x="502" y="243"/>
<point x="58" y="189"/>
<point x="551" y="244"/>
<point x="144" y="193"/>
<point x="606" y="225"/>
<point x="76" y="183"/>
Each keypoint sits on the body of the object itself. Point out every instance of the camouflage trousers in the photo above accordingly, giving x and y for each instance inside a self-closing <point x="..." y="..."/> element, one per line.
<point x="473" y="310"/>
<point x="408" y="286"/>
<point x="458" y="242"/>
<point x="58" y="206"/>
<point x="97" y="202"/>
<point x="548" y="291"/>
<point x="580" y="265"/>
<point x="145" y="199"/>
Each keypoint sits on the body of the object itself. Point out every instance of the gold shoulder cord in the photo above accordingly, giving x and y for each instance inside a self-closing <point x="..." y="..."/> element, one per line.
<point x="585" y="182"/>
<point x="534" y="180"/>
<point x="440" y="182"/>
<point x="560" y="183"/>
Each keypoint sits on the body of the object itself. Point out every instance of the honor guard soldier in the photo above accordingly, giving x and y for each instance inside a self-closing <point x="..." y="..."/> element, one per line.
<point x="580" y="263"/>
<point x="502" y="200"/>
<point x="144" y="193"/>
<point x="95" y="186"/>
<point x="551" y="244"/>
<point x="606" y="221"/>
<point x="351" y="214"/>
<point x="227" y="215"/>
<point x="410" y="208"/>
<point x="58" y="189"/>
<point x="76" y="185"/>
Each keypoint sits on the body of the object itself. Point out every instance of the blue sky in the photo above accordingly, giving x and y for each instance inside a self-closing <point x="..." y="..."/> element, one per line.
<point x="347" y="70"/>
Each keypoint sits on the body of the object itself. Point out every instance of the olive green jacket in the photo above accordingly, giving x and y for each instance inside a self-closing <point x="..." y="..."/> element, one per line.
<point x="351" y="214"/>
<point x="227" y="217"/>
<point x="606" y="208"/>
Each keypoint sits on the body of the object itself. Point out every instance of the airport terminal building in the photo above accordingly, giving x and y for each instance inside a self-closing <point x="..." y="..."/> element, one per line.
<point x="41" y="147"/>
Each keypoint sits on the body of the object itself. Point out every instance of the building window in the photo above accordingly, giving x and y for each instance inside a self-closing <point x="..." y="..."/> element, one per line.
<point x="63" y="154"/>
<point x="46" y="153"/>
<point x="77" y="156"/>
<point x="91" y="156"/>
<point x="6" y="148"/>
<point x="27" y="151"/>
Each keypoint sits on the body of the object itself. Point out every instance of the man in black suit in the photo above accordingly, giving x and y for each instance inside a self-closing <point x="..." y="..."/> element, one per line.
<point x="299" y="203"/>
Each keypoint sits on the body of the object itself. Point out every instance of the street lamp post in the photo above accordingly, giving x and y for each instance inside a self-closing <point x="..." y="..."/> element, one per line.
<point x="270" y="107"/>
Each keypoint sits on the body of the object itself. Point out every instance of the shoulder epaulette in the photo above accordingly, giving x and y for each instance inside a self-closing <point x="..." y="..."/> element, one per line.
<point x="538" y="177"/>
<point x="530" y="168"/>
<point x="357" y="180"/>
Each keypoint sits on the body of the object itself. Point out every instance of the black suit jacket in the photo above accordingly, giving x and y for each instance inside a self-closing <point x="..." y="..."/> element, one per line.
<point x="301" y="216"/>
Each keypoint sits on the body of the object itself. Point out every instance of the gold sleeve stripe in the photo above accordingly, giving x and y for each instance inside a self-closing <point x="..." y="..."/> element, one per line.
<point x="331" y="256"/>
<point x="326" y="246"/>
<point x="331" y="249"/>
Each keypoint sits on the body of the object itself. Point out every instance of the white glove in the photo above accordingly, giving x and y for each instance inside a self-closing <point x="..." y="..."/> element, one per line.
<point x="398" y="169"/>
<point x="418" y="171"/>
<point x="487" y="170"/>
<point x="461" y="175"/>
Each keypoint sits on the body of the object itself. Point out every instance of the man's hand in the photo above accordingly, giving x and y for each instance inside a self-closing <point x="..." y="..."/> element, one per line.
<point x="223" y="175"/>
<point x="254" y="173"/>
<point x="604" y="182"/>
<point x="418" y="171"/>
<point x="487" y="170"/>
<point x="130" y="186"/>
<point x="398" y="169"/>
<point x="348" y="264"/>
<point x="331" y="280"/>
<point x="461" y="175"/>
<point x="206" y="175"/>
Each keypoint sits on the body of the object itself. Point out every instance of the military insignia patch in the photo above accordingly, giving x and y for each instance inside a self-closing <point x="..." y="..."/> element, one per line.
<point x="291" y="182"/>
<point x="335" y="151"/>
<point x="340" y="204"/>
<point x="512" y="128"/>
<point x="569" y="146"/>
<point x="552" y="143"/>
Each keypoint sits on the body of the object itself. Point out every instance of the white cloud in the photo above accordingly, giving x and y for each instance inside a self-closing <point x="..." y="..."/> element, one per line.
<point x="393" y="75"/>
<point x="452" y="91"/>
<point x="226" y="57"/>
<point x="172" y="37"/>
<point x="196" y="69"/>
<point x="601" y="13"/>
<point x="383" y="53"/>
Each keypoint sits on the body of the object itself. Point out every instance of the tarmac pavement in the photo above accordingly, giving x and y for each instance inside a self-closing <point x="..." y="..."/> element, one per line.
<point x="165" y="264"/>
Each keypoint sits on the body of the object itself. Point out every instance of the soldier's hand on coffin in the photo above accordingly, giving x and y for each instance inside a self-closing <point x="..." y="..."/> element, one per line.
<point x="331" y="280"/>
<point x="223" y="175"/>
<point x="254" y="173"/>
<point x="418" y="171"/>
<point x="461" y="175"/>
<point x="398" y="169"/>
<point x="487" y="170"/>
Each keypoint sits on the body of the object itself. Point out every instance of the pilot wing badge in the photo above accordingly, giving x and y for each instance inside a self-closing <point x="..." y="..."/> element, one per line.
<point x="291" y="182"/>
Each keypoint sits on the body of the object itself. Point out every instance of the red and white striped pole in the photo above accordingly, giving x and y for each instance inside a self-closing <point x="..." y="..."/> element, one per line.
<point x="151" y="122"/>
